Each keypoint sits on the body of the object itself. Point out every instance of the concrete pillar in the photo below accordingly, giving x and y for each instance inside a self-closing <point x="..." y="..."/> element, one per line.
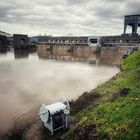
<point x="133" y="29"/>
<point x="0" y="43"/>
<point x="136" y="28"/>
<point x="125" y="26"/>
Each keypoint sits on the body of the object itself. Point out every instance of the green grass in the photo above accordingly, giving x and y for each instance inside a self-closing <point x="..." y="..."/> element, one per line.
<point x="117" y="118"/>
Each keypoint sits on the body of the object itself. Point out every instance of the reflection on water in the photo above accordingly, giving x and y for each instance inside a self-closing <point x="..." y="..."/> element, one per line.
<point x="25" y="83"/>
<point x="107" y="56"/>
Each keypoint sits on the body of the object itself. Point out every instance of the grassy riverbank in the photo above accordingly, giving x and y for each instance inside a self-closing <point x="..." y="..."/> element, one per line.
<point x="112" y="110"/>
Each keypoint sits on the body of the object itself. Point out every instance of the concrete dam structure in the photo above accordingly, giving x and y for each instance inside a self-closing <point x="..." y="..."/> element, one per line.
<point x="71" y="44"/>
<point x="59" y="47"/>
<point x="94" y="43"/>
<point x="84" y="46"/>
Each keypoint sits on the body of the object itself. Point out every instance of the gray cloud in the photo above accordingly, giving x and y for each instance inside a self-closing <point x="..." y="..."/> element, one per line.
<point x="133" y="7"/>
<point x="75" y="2"/>
<point x="62" y="17"/>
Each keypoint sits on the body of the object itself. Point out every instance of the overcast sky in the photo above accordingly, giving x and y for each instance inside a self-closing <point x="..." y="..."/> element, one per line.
<point x="65" y="17"/>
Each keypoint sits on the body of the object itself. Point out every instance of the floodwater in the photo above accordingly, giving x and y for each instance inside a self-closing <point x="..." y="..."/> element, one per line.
<point x="27" y="79"/>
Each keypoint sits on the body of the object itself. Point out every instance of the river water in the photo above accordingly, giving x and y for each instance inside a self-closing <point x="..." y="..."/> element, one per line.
<point x="27" y="79"/>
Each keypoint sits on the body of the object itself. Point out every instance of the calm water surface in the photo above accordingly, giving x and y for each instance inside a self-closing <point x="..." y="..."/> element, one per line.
<point x="27" y="80"/>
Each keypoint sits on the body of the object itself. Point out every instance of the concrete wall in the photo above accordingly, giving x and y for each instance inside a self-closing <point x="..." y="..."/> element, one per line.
<point x="108" y="55"/>
<point x="66" y="52"/>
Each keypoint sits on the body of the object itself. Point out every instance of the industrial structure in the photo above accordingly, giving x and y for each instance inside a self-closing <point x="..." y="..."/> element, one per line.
<point x="132" y="39"/>
<point x="20" y="41"/>
<point x="3" y="43"/>
<point x="96" y="42"/>
<point x="133" y="21"/>
<point x="5" y="34"/>
<point x="4" y="40"/>
<point x="70" y="43"/>
<point x="122" y="40"/>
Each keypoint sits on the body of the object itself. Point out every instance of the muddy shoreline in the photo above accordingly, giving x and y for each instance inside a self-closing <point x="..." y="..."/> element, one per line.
<point x="29" y="126"/>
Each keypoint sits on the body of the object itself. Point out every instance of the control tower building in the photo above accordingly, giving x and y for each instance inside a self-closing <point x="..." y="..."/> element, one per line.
<point x="133" y="21"/>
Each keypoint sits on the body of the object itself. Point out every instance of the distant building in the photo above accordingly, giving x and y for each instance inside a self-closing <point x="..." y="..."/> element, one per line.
<point x="5" y="34"/>
<point x="20" y="41"/>
<point x="3" y="43"/>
